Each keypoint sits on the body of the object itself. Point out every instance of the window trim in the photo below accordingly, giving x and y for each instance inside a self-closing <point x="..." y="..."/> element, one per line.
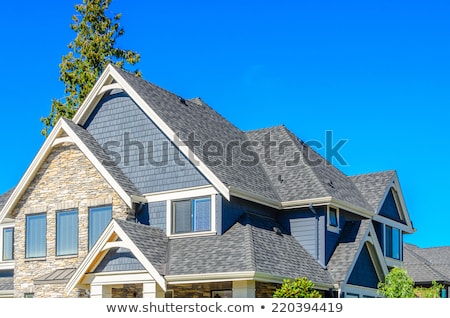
<point x="179" y="196"/>
<point x="26" y="236"/>
<point x="333" y="227"/>
<point x="89" y="245"/>
<point x="2" y="242"/>
<point x="191" y="204"/>
<point x="77" y="230"/>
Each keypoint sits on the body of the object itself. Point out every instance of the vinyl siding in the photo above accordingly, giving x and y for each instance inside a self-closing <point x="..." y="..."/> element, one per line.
<point x="139" y="148"/>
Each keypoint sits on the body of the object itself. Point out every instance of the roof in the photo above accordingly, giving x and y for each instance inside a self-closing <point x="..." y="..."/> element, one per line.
<point x="196" y="118"/>
<point x="250" y="245"/>
<point x="4" y="197"/>
<point x="373" y="186"/>
<point x="425" y="265"/>
<point x="57" y="276"/>
<point x="349" y="243"/>
<point x="298" y="172"/>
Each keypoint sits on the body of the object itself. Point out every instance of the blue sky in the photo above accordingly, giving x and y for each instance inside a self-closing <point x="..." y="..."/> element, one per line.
<point x="375" y="73"/>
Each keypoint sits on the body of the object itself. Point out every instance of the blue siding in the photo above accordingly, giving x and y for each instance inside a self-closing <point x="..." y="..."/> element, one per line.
<point x="118" y="259"/>
<point x="364" y="273"/>
<point x="389" y="208"/>
<point x="157" y="213"/>
<point x="304" y="227"/>
<point x="139" y="148"/>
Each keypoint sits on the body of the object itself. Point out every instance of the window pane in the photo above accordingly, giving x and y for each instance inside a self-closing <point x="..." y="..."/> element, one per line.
<point x="67" y="232"/>
<point x="202" y="214"/>
<point x="35" y="236"/>
<point x="182" y="216"/>
<point x="333" y="217"/>
<point x="8" y="241"/>
<point x="99" y="218"/>
<point x="395" y="243"/>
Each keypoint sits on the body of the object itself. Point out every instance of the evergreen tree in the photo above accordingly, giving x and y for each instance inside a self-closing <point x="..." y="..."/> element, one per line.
<point x="92" y="50"/>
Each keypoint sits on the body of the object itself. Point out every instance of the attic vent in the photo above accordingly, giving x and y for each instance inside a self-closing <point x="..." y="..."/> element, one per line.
<point x="280" y="179"/>
<point x="277" y="230"/>
<point x="329" y="182"/>
<point x="182" y="100"/>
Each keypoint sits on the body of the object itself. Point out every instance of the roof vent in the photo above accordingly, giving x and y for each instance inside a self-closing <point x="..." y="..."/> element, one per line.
<point x="182" y="100"/>
<point x="329" y="182"/>
<point x="280" y="179"/>
<point x="277" y="230"/>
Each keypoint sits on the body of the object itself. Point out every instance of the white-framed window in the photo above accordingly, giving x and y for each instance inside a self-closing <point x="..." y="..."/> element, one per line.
<point x="191" y="215"/>
<point x="99" y="218"/>
<point x="7" y="244"/>
<point x="333" y="219"/>
<point x="36" y="235"/>
<point x="66" y="232"/>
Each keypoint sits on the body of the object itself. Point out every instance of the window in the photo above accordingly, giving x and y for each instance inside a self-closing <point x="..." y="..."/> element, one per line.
<point x="8" y="244"/>
<point x="333" y="217"/>
<point x="66" y="233"/>
<point x="99" y="218"/>
<point x="392" y="242"/>
<point x="193" y="215"/>
<point x="28" y="295"/>
<point x="36" y="231"/>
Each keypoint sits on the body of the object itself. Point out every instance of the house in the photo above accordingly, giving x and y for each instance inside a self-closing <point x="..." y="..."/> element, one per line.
<point x="147" y="194"/>
<point x="428" y="265"/>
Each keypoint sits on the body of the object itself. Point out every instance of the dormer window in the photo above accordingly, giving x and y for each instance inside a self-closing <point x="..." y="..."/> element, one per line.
<point x="191" y="215"/>
<point x="333" y="219"/>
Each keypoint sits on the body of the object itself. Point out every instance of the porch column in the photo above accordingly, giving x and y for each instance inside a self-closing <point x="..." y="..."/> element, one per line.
<point x="101" y="291"/>
<point x="149" y="290"/>
<point x="244" y="289"/>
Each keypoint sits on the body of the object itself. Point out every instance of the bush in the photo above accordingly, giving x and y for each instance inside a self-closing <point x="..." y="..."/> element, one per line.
<point x="397" y="284"/>
<point x="299" y="288"/>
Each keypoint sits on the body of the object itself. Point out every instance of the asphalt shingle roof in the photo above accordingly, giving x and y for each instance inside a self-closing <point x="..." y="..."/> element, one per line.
<point x="298" y="172"/>
<point x="425" y="265"/>
<point x="4" y="197"/>
<point x="373" y="186"/>
<point x="187" y="117"/>
<point x="98" y="152"/>
<point x="251" y="244"/>
<point x="349" y="242"/>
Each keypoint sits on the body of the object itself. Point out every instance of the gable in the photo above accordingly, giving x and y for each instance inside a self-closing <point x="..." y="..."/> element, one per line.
<point x="141" y="150"/>
<point x="389" y="208"/>
<point x="364" y="272"/>
<point x="118" y="259"/>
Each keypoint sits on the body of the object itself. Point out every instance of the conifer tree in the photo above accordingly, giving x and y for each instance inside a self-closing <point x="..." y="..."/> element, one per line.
<point x="93" y="48"/>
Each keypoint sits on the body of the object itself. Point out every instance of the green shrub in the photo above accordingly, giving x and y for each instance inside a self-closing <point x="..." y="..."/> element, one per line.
<point x="298" y="288"/>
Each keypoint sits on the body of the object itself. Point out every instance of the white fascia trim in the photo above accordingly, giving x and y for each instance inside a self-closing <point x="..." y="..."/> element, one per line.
<point x="246" y="195"/>
<point x="181" y="193"/>
<point x="116" y="278"/>
<point x="6" y="265"/>
<point x="99" y="247"/>
<point x="94" y="96"/>
<point x="97" y="164"/>
<point x="390" y="222"/>
<point x="31" y="171"/>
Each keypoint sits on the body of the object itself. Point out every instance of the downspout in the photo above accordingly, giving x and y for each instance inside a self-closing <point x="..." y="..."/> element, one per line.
<point x="311" y="208"/>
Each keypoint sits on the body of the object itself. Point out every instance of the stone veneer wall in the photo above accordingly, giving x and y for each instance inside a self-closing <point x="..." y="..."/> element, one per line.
<point x="66" y="180"/>
<point x="266" y="290"/>
<point x="198" y="290"/>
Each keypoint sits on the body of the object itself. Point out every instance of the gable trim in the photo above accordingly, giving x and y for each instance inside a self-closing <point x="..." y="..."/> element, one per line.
<point x="375" y="253"/>
<point x="99" y="250"/>
<point x="109" y="75"/>
<point x="51" y="141"/>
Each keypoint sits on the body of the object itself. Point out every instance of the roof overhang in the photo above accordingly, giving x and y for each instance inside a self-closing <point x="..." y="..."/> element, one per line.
<point x="55" y="138"/>
<point x="106" y="241"/>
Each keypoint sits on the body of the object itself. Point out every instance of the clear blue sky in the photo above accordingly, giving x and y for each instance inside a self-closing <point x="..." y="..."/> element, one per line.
<point x="376" y="73"/>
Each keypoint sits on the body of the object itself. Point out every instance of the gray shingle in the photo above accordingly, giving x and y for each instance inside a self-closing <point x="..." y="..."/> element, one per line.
<point x="373" y="186"/>
<point x="4" y="198"/>
<point x="349" y="242"/>
<point x="425" y="265"/>
<point x="186" y="117"/>
<point x="304" y="174"/>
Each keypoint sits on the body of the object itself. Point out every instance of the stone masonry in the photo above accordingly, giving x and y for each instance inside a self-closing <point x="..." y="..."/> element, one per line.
<point x="66" y="180"/>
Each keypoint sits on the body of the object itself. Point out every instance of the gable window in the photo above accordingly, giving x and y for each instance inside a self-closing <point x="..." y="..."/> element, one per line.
<point x="35" y="239"/>
<point x="8" y="244"/>
<point x="66" y="232"/>
<point x="99" y="218"/>
<point x="392" y="242"/>
<point x="192" y="215"/>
